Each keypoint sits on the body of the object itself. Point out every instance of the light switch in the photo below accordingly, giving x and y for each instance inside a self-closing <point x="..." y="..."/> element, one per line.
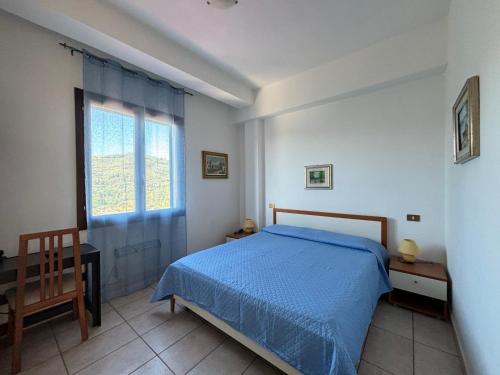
<point x="413" y="217"/>
<point x="272" y="205"/>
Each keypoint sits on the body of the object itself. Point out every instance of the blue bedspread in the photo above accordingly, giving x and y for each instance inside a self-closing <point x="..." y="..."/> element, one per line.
<point x="306" y="295"/>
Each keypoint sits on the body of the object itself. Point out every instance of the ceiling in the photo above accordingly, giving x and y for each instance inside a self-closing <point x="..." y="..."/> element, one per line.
<point x="264" y="41"/>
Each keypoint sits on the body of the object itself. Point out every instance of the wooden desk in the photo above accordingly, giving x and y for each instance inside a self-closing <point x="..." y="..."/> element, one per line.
<point x="91" y="258"/>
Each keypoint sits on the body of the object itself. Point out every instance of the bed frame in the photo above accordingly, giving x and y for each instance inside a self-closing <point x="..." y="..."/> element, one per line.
<point x="244" y="340"/>
<point x="381" y="219"/>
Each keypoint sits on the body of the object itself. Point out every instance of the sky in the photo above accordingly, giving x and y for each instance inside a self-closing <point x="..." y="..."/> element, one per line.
<point x="113" y="133"/>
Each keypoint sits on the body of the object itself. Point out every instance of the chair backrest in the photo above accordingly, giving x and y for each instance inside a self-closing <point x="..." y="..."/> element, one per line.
<point x="51" y="268"/>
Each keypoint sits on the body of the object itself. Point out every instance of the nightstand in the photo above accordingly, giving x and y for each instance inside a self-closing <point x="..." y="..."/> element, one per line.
<point x="420" y="286"/>
<point x="237" y="235"/>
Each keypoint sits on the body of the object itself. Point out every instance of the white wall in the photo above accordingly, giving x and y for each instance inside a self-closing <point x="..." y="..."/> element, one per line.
<point x="37" y="143"/>
<point x="254" y="172"/>
<point x="473" y="189"/>
<point x="104" y="27"/>
<point x="387" y="151"/>
<point x="213" y="205"/>
<point x="395" y="59"/>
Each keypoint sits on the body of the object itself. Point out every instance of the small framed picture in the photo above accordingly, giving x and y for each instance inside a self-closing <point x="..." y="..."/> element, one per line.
<point x="319" y="176"/>
<point x="466" y="122"/>
<point x="214" y="164"/>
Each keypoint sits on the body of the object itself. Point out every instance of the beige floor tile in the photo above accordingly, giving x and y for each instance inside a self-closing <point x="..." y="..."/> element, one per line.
<point x="388" y="351"/>
<point x="161" y="337"/>
<point x="186" y="353"/>
<point x="35" y="334"/>
<point x="228" y="359"/>
<point x="64" y="323"/>
<point x="429" y="361"/>
<point x="153" y="367"/>
<point x="122" y="361"/>
<point x="152" y="318"/>
<point x="97" y="347"/>
<point x="366" y="368"/>
<point x="54" y="366"/>
<point x="122" y="301"/>
<point x="137" y="307"/>
<point x="67" y="331"/>
<point x="261" y="367"/>
<point x="105" y="307"/>
<point x="31" y="356"/>
<point x="434" y="332"/>
<point x="394" y="319"/>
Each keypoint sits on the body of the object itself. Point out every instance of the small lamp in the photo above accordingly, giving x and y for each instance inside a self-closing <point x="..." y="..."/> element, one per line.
<point x="409" y="250"/>
<point x="248" y="225"/>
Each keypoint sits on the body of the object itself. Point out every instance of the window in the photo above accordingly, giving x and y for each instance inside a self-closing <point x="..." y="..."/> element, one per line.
<point x="130" y="154"/>
<point x="113" y="161"/>
<point x="157" y="138"/>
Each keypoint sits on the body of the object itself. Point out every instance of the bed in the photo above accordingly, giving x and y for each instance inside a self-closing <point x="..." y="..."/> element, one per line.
<point x="301" y="298"/>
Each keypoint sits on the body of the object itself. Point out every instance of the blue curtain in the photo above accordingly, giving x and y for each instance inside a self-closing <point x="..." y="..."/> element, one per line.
<point x="135" y="178"/>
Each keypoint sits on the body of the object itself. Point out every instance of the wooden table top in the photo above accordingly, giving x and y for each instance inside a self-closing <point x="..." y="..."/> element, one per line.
<point x="8" y="266"/>
<point x="419" y="268"/>
<point x="238" y="235"/>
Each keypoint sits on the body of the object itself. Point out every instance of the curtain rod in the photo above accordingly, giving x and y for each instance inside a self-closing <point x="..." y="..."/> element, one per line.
<point x="72" y="50"/>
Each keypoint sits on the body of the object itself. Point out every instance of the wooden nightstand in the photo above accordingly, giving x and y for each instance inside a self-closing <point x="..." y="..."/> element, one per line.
<point x="237" y="235"/>
<point x="421" y="286"/>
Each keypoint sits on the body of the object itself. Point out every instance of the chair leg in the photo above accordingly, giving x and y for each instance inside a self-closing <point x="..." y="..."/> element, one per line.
<point x="75" y="308"/>
<point x="18" y="338"/>
<point x="10" y="327"/>
<point x="83" y="318"/>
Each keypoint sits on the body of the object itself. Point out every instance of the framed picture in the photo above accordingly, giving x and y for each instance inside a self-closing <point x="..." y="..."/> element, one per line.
<point x="319" y="176"/>
<point x="214" y="164"/>
<point x="466" y="122"/>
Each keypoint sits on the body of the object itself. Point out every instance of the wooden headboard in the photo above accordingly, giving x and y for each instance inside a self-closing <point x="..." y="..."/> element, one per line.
<point x="381" y="219"/>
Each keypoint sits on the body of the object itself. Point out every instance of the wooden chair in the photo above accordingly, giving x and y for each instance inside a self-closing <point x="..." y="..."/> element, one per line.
<point x="53" y="288"/>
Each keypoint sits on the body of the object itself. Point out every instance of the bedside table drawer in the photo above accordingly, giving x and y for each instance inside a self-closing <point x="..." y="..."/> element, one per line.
<point x="418" y="284"/>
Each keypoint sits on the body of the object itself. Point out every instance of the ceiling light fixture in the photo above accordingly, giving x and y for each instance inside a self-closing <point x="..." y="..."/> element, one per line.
<point x="222" y="4"/>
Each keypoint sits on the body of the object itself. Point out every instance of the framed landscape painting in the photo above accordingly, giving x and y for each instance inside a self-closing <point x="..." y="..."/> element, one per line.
<point x="214" y="164"/>
<point x="319" y="176"/>
<point x="466" y="122"/>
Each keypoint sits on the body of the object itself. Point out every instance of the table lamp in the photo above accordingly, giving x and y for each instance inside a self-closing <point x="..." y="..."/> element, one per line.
<point x="248" y="225"/>
<point x="409" y="250"/>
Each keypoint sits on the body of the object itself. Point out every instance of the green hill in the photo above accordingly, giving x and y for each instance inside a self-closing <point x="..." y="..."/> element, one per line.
<point x="113" y="180"/>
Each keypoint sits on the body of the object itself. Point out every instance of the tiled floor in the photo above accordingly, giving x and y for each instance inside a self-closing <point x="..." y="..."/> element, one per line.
<point x="140" y="338"/>
<point x="404" y="343"/>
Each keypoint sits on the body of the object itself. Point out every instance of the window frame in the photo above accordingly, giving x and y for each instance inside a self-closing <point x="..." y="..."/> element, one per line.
<point x="81" y="205"/>
<point x="140" y="186"/>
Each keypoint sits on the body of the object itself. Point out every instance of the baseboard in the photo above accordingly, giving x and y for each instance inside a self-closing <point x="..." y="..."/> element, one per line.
<point x="460" y="347"/>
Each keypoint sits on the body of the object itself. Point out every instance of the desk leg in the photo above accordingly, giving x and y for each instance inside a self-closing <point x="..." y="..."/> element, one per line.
<point x="96" y="291"/>
<point x="88" y="302"/>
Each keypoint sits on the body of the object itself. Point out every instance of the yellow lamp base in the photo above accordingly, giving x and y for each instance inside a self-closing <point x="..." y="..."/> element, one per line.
<point x="407" y="258"/>
<point x="248" y="226"/>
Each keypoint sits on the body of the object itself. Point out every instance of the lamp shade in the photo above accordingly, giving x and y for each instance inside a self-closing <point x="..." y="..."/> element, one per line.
<point x="409" y="250"/>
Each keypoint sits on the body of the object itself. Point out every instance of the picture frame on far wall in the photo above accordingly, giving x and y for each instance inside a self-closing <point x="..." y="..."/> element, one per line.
<point x="466" y="144"/>
<point x="319" y="177"/>
<point x="214" y="164"/>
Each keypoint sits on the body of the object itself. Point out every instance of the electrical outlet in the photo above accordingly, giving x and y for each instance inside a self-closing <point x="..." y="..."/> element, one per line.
<point x="413" y="217"/>
<point x="272" y="205"/>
